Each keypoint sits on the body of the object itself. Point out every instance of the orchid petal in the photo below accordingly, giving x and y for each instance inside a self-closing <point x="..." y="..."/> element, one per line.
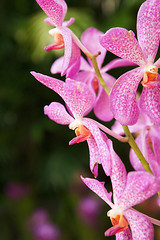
<point x="98" y="188"/>
<point x="118" y="174"/>
<point x="157" y="63"/>
<point x="69" y="22"/>
<point x="102" y="106"/>
<point x="58" y="113"/>
<point x="116" y="63"/>
<point x="123" y="97"/>
<point x="101" y="141"/>
<point x="84" y="66"/>
<point x="123" y="43"/>
<point x="52" y="83"/>
<point x="49" y="21"/>
<point x="140" y="186"/>
<point x="125" y="235"/>
<point x="150" y="102"/>
<point x="141" y="227"/>
<point x="53" y="46"/>
<point x="90" y="39"/>
<point x="78" y="97"/>
<point x="57" y="66"/>
<point x="148" y="25"/>
<point x="94" y="155"/>
<point x="55" y="9"/>
<point x="113" y="230"/>
<point x="72" y="53"/>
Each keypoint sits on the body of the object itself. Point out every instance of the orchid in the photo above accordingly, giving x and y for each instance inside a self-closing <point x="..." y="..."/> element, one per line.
<point x="142" y="52"/>
<point x="128" y="191"/>
<point x="79" y="99"/>
<point x="56" y="11"/>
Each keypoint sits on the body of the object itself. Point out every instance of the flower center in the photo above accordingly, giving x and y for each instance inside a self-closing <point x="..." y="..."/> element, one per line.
<point x="58" y="38"/>
<point x="150" y="76"/>
<point x="83" y="132"/>
<point x="95" y="84"/>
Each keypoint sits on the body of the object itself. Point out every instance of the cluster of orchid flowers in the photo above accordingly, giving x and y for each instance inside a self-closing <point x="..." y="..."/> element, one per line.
<point x="88" y="87"/>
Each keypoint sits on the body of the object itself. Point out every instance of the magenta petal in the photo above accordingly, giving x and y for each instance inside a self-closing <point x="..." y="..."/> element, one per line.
<point x="118" y="174"/>
<point x="116" y="63"/>
<point x="57" y="112"/>
<point x="78" y="97"/>
<point x="98" y="188"/>
<point x="90" y="39"/>
<point x="125" y="235"/>
<point x="69" y="22"/>
<point x="140" y="186"/>
<point x="141" y="227"/>
<point x="57" y="65"/>
<point x="52" y="83"/>
<point x="150" y="102"/>
<point x="53" y="46"/>
<point x="72" y="53"/>
<point x="123" y="43"/>
<point x="148" y="25"/>
<point x="94" y="155"/>
<point x="55" y="9"/>
<point x="123" y="97"/>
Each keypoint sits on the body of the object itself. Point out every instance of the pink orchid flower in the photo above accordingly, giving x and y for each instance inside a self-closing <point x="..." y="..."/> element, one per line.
<point x="79" y="99"/>
<point x="56" y="11"/>
<point x="123" y="43"/>
<point x="87" y="73"/>
<point x="128" y="191"/>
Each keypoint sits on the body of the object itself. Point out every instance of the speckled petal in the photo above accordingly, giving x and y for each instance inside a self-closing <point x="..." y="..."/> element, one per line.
<point x="157" y="63"/>
<point x="140" y="186"/>
<point x="123" y="43"/>
<point x="52" y="83"/>
<point x="57" y="112"/>
<point x="98" y="188"/>
<point x="118" y="174"/>
<point x="94" y="155"/>
<point x="101" y="141"/>
<point x="148" y="25"/>
<point x="71" y="55"/>
<point x="90" y="39"/>
<point x="123" y="97"/>
<point x="125" y="235"/>
<point x="78" y="97"/>
<point x="57" y="65"/>
<point x="55" y="9"/>
<point x="150" y="102"/>
<point x="102" y="106"/>
<point x="116" y="63"/>
<point x="141" y="227"/>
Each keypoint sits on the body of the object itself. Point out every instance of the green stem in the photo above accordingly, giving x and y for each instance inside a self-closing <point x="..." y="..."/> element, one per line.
<point x="136" y="149"/>
<point x="100" y="78"/>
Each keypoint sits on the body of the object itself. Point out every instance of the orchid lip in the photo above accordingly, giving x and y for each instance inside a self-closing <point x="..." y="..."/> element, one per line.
<point x="75" y="124"/>
<point x="150" y="75"/>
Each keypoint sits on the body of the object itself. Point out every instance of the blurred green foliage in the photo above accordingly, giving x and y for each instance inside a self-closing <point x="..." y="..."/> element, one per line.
<point x="33" y="149"/>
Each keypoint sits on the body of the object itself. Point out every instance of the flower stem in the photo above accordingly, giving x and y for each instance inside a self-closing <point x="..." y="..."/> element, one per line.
<point x="100" y="78"/>
<point x="136" y="149"/>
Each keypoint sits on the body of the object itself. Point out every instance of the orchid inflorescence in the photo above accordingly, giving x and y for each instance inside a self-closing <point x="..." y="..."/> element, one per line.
<point x="88" y="87"/>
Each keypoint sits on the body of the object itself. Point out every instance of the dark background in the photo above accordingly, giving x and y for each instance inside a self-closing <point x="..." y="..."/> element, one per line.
<point x="34" y="151"/>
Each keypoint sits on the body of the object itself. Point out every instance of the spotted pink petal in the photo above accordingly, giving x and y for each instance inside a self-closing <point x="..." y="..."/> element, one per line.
<point x="123" y="43"/>
<point x="57" y="112"/>
<point x="141" y="227"/>
<point x="140" y="186"/>
<point x="98" y="188"/>
<point x="69" y="22"/>
<point x="148" y="25"/>
<point x="72" y="53"/>
<point x="123" y="97"/>
<point x="116" y="63"/>
<point x="125" y="235"/>
<point x="90" y="39"/>
<point x="57" y="65"/>
<point x="150" y="102"/>
<point x="78" y="97"/>
<point x="102" y="144"/>
<point x="55" y="10"/>
<point x="118" y="174"/>
<point x="52" y="83"/>
<point x="94" y="155"/>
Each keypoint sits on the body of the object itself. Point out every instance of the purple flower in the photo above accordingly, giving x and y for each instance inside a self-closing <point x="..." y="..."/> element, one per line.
<point x="56" y="11"/>
<point x="128" y="191"/>
<point x="79" y="99"/>
<point x="123" y="43"/>
<point x="16" y="191"/>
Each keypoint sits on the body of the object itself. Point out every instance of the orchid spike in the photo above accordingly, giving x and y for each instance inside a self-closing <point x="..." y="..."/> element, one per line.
<point x="142" y="52"/>
<point x="128" y="191"/>
<point x="56" y="11"/>
<point x="79" y="99"/>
